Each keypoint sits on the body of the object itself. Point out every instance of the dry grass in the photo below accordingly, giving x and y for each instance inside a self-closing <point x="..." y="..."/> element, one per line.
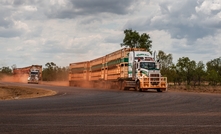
<point x="16" y="92"/>
<point x="198" y="89"/>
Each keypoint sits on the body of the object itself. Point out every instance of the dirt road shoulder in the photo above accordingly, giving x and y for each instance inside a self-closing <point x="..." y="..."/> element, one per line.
<point x="17" y="92"/>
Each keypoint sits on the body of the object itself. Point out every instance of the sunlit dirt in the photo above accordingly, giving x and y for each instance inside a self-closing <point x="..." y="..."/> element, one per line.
<point x="8" y="92"/>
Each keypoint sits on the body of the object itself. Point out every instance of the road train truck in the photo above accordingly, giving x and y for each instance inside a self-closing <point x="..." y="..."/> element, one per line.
<point x="32" y="74"/>
<point x="123" y="69"/>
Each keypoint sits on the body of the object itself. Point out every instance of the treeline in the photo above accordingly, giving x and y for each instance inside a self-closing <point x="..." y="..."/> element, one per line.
<point x="189" y="71"/>
<point x="5" y="71"/>
<point x="54" y="73"/>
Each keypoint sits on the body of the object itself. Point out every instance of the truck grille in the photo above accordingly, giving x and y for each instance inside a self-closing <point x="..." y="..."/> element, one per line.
<point x="154" y="75"/>
<point x="154" y="79"/>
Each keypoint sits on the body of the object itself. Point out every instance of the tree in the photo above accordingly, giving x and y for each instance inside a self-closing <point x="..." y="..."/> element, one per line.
<point x="214" y="71"/>
<point x="133" y="39"/>
<point x="6" y="70"/>
<point x="49" y="73"/>
<point x="50" y="65"/>
<point x="176" y="75"/>
<point x="186" y="68"/>
<point x="53" y="72"/>
<point x="199" y="73"/>
<point x="62" y="73"/>
<point x="212" y="77"/>
<point x="166" y="65"/>
<point x="166" y="60"/>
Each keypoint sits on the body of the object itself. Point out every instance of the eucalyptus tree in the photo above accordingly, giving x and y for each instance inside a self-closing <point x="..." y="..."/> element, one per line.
<point x="133" y="39"/>
<point x="52" y="72"/>
<point x="200" y="73"/>
<point x="62" y="73"/>
<point x="174" y="75"/>
<point x="212" y="77"/>
<point x="214" y="71"/>
<point x="49" y="73"/>
<point x="186" y="68"/>
<point x="166" y="62"/>
<point x="6" y="70"/>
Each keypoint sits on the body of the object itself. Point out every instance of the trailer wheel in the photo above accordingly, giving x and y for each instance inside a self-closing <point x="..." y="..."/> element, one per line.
<point x="123" y="85"/>
<point x="158" y="90"/>
<point x="120" y="85"/>
<point x="138" y="86"/>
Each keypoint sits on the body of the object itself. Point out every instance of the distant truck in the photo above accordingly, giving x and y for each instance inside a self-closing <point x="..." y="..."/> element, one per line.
<point x="126" y="68"/>
<point x="33" y="74"/>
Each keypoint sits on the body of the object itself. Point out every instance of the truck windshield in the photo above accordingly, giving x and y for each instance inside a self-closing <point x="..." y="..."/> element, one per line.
<point x="34" y="72"/>
<point x="147" y="65"/>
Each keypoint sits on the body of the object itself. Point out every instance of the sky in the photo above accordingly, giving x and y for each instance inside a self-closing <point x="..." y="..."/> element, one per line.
<point x="35" y="32"/>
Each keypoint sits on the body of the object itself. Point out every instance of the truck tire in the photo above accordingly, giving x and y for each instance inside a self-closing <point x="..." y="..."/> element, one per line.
<point x="158" y="90"/>
<point x="124" y="85"/>
<point x="137" y="88"/>
<point x="120" y="85"/>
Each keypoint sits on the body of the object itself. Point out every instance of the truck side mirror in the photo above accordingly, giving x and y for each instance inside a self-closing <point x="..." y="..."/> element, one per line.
<point x="138" y="64"/>
<point x="134" y="70"/>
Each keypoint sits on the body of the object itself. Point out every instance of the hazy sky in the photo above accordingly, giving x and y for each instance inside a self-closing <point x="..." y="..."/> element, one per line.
<point x="67" y="31"/>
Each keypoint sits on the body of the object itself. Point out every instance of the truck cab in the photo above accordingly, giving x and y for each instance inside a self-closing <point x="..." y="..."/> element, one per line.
<point x="146" y="72"/>
<point x="33" y="76"/>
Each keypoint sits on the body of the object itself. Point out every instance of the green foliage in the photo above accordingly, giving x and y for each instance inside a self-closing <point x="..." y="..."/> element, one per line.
<point x="212" y="77"/>
<point x="199" y="73"/>
<point x="186" y="68"/>
<point x="133" y="39"/>
<point x="54" y="73"/>
<point x="6" y="70"/>
<point x="166" y="65"/>
<point x="166" y="60"/>
<point x="175" y="76"/>
<point x="214" y="71"/>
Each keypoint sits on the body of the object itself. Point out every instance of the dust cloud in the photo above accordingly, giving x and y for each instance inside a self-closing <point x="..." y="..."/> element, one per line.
<point x="24" y="79"/>
<point x="55" y="83"/>
<point x="85" y="84"/>
<point x="94" y="84"/>
<point x="14" y="78"/>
